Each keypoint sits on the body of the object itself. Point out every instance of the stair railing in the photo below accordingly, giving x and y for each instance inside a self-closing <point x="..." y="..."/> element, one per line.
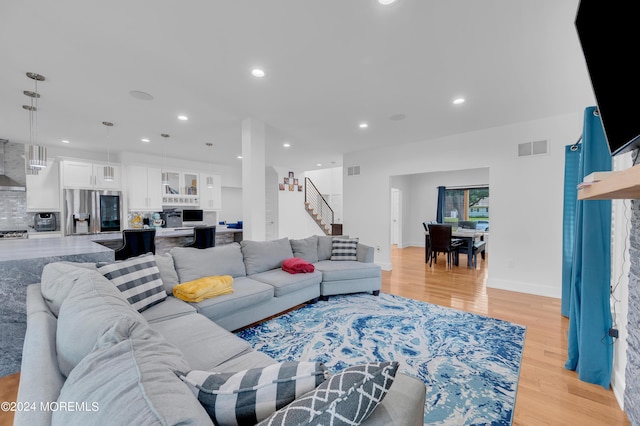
<point x="316" y="203"/>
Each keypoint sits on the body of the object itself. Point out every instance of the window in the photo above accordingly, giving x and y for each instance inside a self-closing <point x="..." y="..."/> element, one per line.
<point x="467" y="205"/>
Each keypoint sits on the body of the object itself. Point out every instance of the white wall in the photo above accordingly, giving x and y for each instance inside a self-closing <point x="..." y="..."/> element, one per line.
<point x="526" y="195"/>
<point x="293" y="220"/>
<point x="231" y="204"/>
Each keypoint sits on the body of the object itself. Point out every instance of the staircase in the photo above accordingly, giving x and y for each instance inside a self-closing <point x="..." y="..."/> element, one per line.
<point x="317" y="207"/>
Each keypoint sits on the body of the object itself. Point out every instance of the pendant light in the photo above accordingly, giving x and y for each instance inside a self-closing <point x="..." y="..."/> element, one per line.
<point x="210" y="178"/>
<point x="165" y="173"/>
<point x="109" y="172"/>
<point x="37" y="154"/>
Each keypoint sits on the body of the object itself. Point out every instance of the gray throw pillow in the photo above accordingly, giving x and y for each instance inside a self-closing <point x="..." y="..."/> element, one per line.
<point x="260" y="256"/>
<point x="249" y="396"/>
<point x="306" y="249"/>
<point x="192" y="263"/>
<point x="128" y="379"/>
<point x="168" y="273"/>
<point x="91" y="308"/>
<point x="57" y="280"/>
<point x="346" y="398"/>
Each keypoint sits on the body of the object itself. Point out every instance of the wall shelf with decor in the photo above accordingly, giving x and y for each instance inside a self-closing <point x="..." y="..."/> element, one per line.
<point x="618" y="185"/>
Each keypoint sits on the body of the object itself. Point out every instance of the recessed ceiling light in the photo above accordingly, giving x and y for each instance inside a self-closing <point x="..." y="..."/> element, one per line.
<point x="386" y="2"/>
<point x="319" y="164"/>
<point x="145" y="140"/>
<point x="458" y="101"/>
<point x="65" y="141"/>
<point x="257" y="72"/>
<point x="363" y="125"/>
<point x="239" y="157"/>
<point x="183" y="118"/>
<point x="286" y="144"/>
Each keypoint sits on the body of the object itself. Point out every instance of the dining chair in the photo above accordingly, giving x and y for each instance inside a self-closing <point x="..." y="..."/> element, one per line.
<point x="136" y="242"/>
<point x="440" y="241"/>
<point x="203" y="237"/>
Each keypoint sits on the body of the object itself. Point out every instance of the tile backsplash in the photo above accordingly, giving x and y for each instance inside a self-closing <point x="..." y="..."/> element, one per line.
<point x="13" y="204"/>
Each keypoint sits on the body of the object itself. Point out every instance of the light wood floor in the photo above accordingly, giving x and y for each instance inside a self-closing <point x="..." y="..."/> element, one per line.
<point x="548" y="394"/>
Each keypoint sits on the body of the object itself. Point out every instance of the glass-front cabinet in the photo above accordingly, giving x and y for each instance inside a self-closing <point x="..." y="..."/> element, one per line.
<point x="180" y="189"/>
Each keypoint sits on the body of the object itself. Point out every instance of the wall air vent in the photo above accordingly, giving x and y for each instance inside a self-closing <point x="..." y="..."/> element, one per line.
<point x="353" y="171"/>
<point x="528" y="149"/>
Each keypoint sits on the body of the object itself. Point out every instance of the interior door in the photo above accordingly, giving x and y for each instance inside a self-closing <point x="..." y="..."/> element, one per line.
<point x="396" y="224"/>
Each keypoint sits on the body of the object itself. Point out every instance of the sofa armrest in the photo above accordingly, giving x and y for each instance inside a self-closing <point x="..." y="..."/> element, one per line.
<point x="364" y="253"/>
<point x="403" y="405"/>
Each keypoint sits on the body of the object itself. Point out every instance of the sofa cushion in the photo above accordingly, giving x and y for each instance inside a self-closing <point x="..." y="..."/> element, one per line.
<point x="57" y="280"/>
<point x="170" y="308"/>
<point x="129" y="379"/>
<point x="347" y="270"/>
<point x="168" y="273"/>
<point x="260" y="256"/>
<point x="346" y="398"/>
<point x="247" y="292"/>
<point x="192" y="263"/>
<point x="138" y="278"/>
<point x="92" y="307"/>
<point x="325" y="245"/>
<point x="285" y="283"/>
<point x="306" y="249"/>
<point x="249" y="396"/>
<point x="344" y="249"/>
<point x="204" y="343"/>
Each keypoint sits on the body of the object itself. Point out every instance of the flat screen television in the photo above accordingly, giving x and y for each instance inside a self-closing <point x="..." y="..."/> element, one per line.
<point x="610" y="40"/>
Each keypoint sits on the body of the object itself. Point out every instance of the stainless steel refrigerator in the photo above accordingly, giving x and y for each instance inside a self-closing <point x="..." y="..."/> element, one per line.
<point x="88" y="211"/>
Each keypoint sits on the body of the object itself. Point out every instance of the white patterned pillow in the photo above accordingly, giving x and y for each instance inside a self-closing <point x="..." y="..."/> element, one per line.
<point x="248" y="396"/>
<point x="346" y="398"/>
<point x="138" y="278"/>
<point x="344" y="249"/>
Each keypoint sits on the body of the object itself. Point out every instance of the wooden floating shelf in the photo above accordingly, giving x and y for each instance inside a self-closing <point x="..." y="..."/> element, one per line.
<point x="619" y="185"/>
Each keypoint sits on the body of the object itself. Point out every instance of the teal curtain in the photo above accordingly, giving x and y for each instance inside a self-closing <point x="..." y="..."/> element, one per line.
<point x="590" y="349"/>
<point x="572" y="155"/>
<point x="442" y="192"/>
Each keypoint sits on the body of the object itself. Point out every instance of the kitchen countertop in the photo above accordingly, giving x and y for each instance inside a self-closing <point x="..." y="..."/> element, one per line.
<point x="48" y="247"/>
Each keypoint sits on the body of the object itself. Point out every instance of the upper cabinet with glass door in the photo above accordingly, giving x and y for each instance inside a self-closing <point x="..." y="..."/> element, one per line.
<point x="180" y="189"/>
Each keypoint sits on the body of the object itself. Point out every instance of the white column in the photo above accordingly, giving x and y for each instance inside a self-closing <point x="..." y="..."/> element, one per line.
<point x="253" y="180"/>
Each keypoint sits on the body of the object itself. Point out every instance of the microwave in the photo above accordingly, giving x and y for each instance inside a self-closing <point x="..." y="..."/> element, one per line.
<point x="189" y="215"/>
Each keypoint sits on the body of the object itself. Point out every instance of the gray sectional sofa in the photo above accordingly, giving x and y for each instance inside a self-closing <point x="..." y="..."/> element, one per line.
<point x="88" y="348"/>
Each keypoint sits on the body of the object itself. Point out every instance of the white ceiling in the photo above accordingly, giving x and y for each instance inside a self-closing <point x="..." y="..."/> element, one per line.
<point x="330" y="64"/>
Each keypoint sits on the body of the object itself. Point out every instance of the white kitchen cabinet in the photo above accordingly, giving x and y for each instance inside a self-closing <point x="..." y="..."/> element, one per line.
<point x="43" y="189"/>
<point x="211" y="198"/>
<point x="145" y="188"/>
<point x="81" y="174"/>
<point x="183" y="189"/>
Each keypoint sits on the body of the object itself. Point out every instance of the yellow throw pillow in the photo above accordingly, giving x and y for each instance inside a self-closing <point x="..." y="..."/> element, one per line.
<point x="204" y="288"/>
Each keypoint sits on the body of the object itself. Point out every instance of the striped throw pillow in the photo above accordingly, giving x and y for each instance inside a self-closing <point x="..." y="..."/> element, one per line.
<point x="138" y="278"/>
<point x="249" y="396"/>
<point x="344" y="249"/>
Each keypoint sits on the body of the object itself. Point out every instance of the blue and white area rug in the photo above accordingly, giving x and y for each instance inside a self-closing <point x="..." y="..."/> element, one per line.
<point x="469" y="363"/>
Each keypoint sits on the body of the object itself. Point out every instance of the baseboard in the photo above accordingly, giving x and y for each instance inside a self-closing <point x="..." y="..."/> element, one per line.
<point x="385" y="266"/>
<point x="618" y="385"/>
<point x="523" y="287"/>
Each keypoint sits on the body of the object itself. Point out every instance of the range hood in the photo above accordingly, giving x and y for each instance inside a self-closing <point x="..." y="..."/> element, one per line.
<point x="6" y="183"/>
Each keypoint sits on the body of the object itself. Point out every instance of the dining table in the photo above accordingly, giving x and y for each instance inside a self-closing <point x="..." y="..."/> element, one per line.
<point x="468" y="236"/>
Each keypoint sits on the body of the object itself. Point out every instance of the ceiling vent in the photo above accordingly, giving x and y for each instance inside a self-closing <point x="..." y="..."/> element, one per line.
<point x="353" y="171"/>
<point x="528" y="149"/>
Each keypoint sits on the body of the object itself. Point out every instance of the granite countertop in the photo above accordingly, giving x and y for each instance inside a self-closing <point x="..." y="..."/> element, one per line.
<point x="12" y="250"/>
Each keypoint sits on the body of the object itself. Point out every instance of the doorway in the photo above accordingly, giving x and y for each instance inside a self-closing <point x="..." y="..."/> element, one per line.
<point x="396" y="217"/>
